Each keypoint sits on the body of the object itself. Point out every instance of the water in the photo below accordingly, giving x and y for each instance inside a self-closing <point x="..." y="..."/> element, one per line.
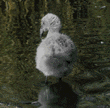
<point x="20" y="82"/>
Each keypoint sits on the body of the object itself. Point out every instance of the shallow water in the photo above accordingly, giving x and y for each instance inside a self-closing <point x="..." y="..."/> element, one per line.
<point x="21" y="83"/>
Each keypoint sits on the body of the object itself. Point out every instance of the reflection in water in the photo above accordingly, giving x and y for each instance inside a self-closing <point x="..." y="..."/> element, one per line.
<point x="58" y="95"/>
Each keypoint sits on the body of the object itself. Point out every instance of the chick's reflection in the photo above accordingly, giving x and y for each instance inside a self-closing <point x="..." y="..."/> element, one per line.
<point x="58" y="95"/>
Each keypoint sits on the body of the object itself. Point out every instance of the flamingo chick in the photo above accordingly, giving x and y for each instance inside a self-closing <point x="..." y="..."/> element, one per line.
<point x="57" y="53"/>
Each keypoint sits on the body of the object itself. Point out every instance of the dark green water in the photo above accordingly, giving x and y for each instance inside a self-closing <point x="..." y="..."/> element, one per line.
<point x="20" y="81"/>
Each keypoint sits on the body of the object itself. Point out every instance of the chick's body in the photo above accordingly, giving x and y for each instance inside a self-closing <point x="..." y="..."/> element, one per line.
<point x="55" y="55"/>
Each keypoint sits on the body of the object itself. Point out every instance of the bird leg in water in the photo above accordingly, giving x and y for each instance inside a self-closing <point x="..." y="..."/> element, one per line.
<point x="46" y="80"/>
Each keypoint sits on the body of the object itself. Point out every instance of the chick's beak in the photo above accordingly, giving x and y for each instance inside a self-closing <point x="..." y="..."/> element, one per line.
<point x="43" y="29"/>
<point x="41" y="32"/>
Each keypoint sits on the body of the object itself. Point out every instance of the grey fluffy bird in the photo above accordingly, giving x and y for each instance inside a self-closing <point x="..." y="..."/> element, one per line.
<point x="57" y="53"/>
